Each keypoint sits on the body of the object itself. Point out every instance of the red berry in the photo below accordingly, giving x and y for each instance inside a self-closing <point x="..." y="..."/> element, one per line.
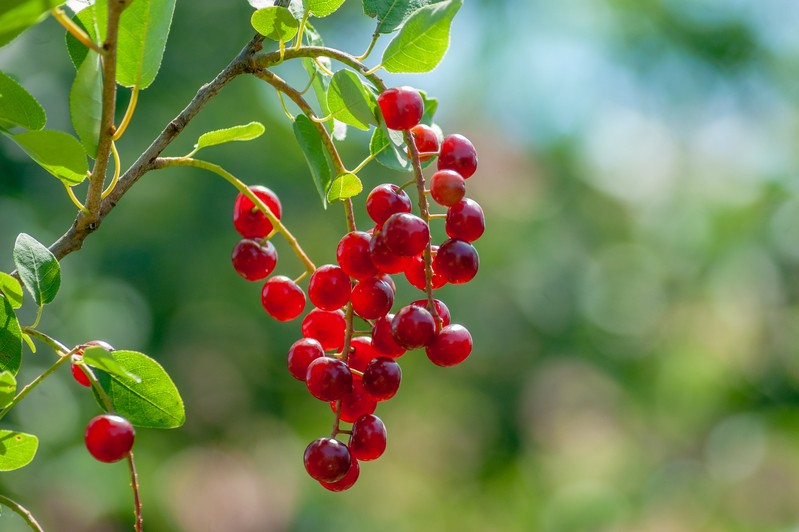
<point x="362" y="352"/>
<point x="282" y="298"/>
<point x="368" y="438"/>
<point x="416" y="275"/>
<point x="386" y="260"/>
<point x="465" y="220"/>
<point x="406" y="234"/>
<point x="458" y="154"/>
<point x="98" y="343"/>
<point x="355" y="404"/>
<point x="347" y="481"/>
<point x="328" y="379"/>
<point x="381" y="379"/>
<point x="447" y="187"/>
<point x="386" y="278"/>
<point x="426" y="140"/>
<point x="79" y="376"/>
<point x="326" y="326"/>
<point x="329" y="287"/>
<point x="450" y="346"/>
<point x="413" y="327"/>
<point x="353" y="255"/>
<point x="441" y="309"/>
<point x="402" y="107"/>
<point x="251" y="222"/>
<point x="457" y="261"/>
<point x="109" y="437"/>
<point x="382" y="340"/>
<point x="301" y="354"/>
<point x="327" y="460"/>
<point x="385" y="200"/>
<point x="372" y="298"/>
<point x="254" y="261"/>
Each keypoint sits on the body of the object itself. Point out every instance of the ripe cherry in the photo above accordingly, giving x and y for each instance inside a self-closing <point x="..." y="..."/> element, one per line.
<point x="327" y="460"/>
<point x="457" y="153"/>
<point x="441" y="309"/>
<point x="282" y="298"/>
<point x="386" y="260"/>
<point x="252" y="260"/>
<point x="329" y="287"/>
<point x="109" y="437"/>
<point x="328" y="379"/>
<point x="447" y="187"/>
<point x="465" y="220"/>
<point x="301" y="354"/>
<point x="353" y="255"/>
<point x="382" y="377"/>
<point x="78" y="375"/>
<point x="426" y="140"/>
<point x="457" y="261"/>
<point x="406" y="234"/>
<point x="347" y="481"/>
<point x="385" y="200"/>
<point x="355" y="404"/>
<point x="416" y="274"/>
<point x="251" y="222"/>
<point x="372" y="298"/>
<point x="413" y="327"/>
<point x="402" y="107"/>
<point x="326" y="326"/>
<point x="382" y="340"/>
<point x="368" y="438"/>
<point x="361" y="353"/>
<point x="450" y="346"/>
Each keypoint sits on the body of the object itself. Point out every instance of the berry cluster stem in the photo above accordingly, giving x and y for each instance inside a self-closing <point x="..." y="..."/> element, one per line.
<point x="23" y="512"/>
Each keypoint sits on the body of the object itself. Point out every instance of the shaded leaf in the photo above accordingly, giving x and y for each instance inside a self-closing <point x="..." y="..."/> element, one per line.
<point x="250" y="131"/>
<point x="423" y="40"/>
<point x="18" y="107"/>
<point x="143" y="31"/>
<point x="18" y="15"/>
<point x="38" y="269"/>
<point x="10" y="338"/>
<point x="391" y="14"/>
<point x="57" y="152"/>
<point x="391" y="150"/>
<point x="276" y="23"/>
<point x="86" y="103"/>
<point x="11" y="288"/>
<point x="86" y="19"/>
<point x="344" y="186"/>
<point x="17" y="449"/>
<point x="310" y="141"/>
<point x="99" y="358"/>
<point x="320" y="78"/>
<point x="350" y="101"/>
<point x="8" y="388"/>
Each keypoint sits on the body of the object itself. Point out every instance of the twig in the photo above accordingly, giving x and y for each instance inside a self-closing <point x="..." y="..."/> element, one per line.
<point x="23" y="512"/>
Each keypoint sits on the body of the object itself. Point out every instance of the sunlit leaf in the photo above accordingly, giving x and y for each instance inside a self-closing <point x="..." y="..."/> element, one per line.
<point x="8" y="388"/>
<point x="312" y="146"/>
<point x="18" y="15"/>
<point x="18" y="107"/>
<point x="11" y="288"/>
<point x="38" y="269"/>
<point x="322" y="8"/>
<point x="86" y="103"/>
<point x="10" y="338"/>
<point x="343" y="187"/>
<point x="391" y="14"/>
<point x="250" y="131"/>
<point x="423" y="40"/>
<point x="391" y="150"/>
<point x="17" y="449"/>
<point x="99" y="358"/>
<point x="57" y="152"/>
<point x="350" y="101"/>
<point x="276" y="23"/>
<point x="143" y="31"/>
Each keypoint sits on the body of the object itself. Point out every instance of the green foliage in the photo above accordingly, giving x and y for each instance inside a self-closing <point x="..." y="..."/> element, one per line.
<point x="86" y="102"/>
<point x="8" y="388"/>
<point x="11" y="288"/>
<point x="18" y="107"/>
<point x="350" y="100"/>
<point x="87" y="21"/>
<point x="57" y="152"/>
<point x="38" y="269"/>
<point x="390" y="149"/>
<point x="18" y="15"/>
<point x="320" y="80"/>
<point x="276" y="23"/>
<point x="310" y="141"/>
<point x="343" y="187"/>
<point x="391" y="14"/>
<point x="10" y="338"/>
<point x="322" y="8"/>
<point x="423" y="40"/>
<point x="99" y="358"/>
<point x="17" y="449"/>
<point x="250" y="131"/>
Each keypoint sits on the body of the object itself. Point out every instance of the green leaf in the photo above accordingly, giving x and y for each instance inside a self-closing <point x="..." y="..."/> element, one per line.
<point x="276" y="23"/>
<point x="28" y="340"/>
<point x="423" y="40"/>
<point x="18" y="107"/>
<point x="350" y="101"/>
<point x="86" y="103"/>
<point x="310" y="141"/>
<point x="10" y="338"/>
<point x="430" y="108"/>
<point x="17" y="449"/>
<point x="154" y="402"/>
<point x="143" y="30"/>
<point x="344" y="186"/>
<point x="8" y="388"/>
<point x="18" y="15"/>
<point x="322" y="8"/>
<point x="250" y="131"/>
<point x="391" y="150"/>
<point x="38" y="269"/>
<point x="99" y="358"/>
<point x="391" y="14"/>
<point x="11" y="288"/>
<point x="320" y="79"/>
<point x="57" y="152"/>
<point x="87" y="20"/>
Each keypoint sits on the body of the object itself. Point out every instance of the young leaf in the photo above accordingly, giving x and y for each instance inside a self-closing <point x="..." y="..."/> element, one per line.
<point x="423" y="40"/>
<point x="18" y="107"/>
<point x="18" y="15"/>
<point x="322" y="8"/>
<point x="276" y="23"/>
<point x="391" y="14"/>
<point x="17" y="449"/>
<point x="99" y="358"/>
<point x="250" y="131"/>
<point x="313" y="148"/>
<point x="350" y="101"/>
<point x="8" y="388"/>
<point x="11" y="288"/>
<point x="86" y="102"/>
<point x="391" y="150"/>
<point x="143" y="30"/>
<point x="38" y="269"/>
<point x="10" y="338"/>
<point x="57" y="152"/>
<point x="345" y="186"/>
<point x="153" y="402"/>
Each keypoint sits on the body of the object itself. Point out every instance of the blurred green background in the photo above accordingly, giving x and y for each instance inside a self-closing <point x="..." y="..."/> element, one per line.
<point x="636" y="315"/>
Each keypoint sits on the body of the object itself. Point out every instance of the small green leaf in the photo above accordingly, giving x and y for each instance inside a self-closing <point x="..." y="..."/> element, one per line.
<point x="430" y="108"/>
<point x="322" y="8"/>
<point x="86" y="103"/>
<point x="350" y="101"/>
<point x="38" y="269"/>
<point x="10" y="338"/>
<point x="250" y="131"/>
<point x="18" y="15"/>
<point x="18" y="107"/>
<point x="345" y="186"/>
<point x="8" y="388"/>
<point x="99" y="358"/>
<point x="276" y="23"/>
<point x="57" y="152"/>
<point x="391" y="150"/>
<point x="153" y="402"/>
<point x="310" y="141"/>
<point x="11" y="288"/>
<point x="320" y="79"/>
<point x="28" y="340"/>
<point x="391" y="14"/>
<point x="143" y="31"/>
<point x="423" y="40"/>
<point x="17" y="449"/>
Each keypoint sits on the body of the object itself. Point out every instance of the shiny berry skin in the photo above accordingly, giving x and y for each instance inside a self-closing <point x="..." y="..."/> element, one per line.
<point x="328" y="379"/>
<point x="355" y="404"/>
<point x="252" y="260"/>
<point x="416" y="275"/>
<point x="98" y="343"/>
<point x="362" y="352"/>
<point x="326" y="326"/>
<point x="412" y="327"/>
<point x="450" y="346"/>
<point x="79" y="376"/>
<point x="368" y="438"/>
<point x="426" y="140"/>
<point x="282" y="298"/>
<point x="384" y="258"/>
<point x="406" y="234"/>
<point x="109" y="437"/>
<point x="386" y="278"/>
<point x="251" y="222"/>
<point x="372" y="298"/>
<point x="382" y="341"/>
<point x="447" y="187"/>
<point x="402" y="107"/>
<point x="353" y="255"/>
<point x="301" y="354"/>
<point x="465" y="220"/>
<point x="329" y="287"/>
<point x="441" y="309"/>
<point x="457" y="261"/>
<point x="382" y="377"/>
<point x="347" y="481"/>
<point x="457" y="153"/>
<point x="327" y="460"/>
<point x="385" y="200"/>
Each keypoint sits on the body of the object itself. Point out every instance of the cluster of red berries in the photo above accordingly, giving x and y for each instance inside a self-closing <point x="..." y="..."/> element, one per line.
<point x="354" y="374"/>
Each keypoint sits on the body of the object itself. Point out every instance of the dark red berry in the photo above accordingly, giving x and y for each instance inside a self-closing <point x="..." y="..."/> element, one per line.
<point x="251" y="222"/>
<point x="327" y="460"/>
<point x="441" y="309"/>
<point x="254" y="261"/>
<point x="457" y="261"/>
<point x="328" y="379"/>
<point x="465" y="220"/>
<point x="416" y="274"/>
<point x="368" y="439"/>
<point x="386" y="278"/>
<point x="458" y="154"/>
<point x="382" y="340"/>
<point x="79" y="376"/>
<point x="402" y="107"/>
<point x="426" y="140"/>
<point x="361" y="353"/>
<point x="347" y="481"/>
<point x="301" y="354"/>
<point x="385" y="200"/>
<point x="384" y="258"/>
<point x="450" y="346"/>
<point x="406" y="234"/>
<point x="326" y="326"/>
<point x="353" y="255"/>
<point x="355" y="404"/>
<point x="329" y="287"/>
<point x="413" y="326"/>
<point x="447" y="187"/>
<point x="381" y="380"/>
<point x="372" y="298"/>
<point x="109" y="437"/>
<point x="282" y="298"/>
